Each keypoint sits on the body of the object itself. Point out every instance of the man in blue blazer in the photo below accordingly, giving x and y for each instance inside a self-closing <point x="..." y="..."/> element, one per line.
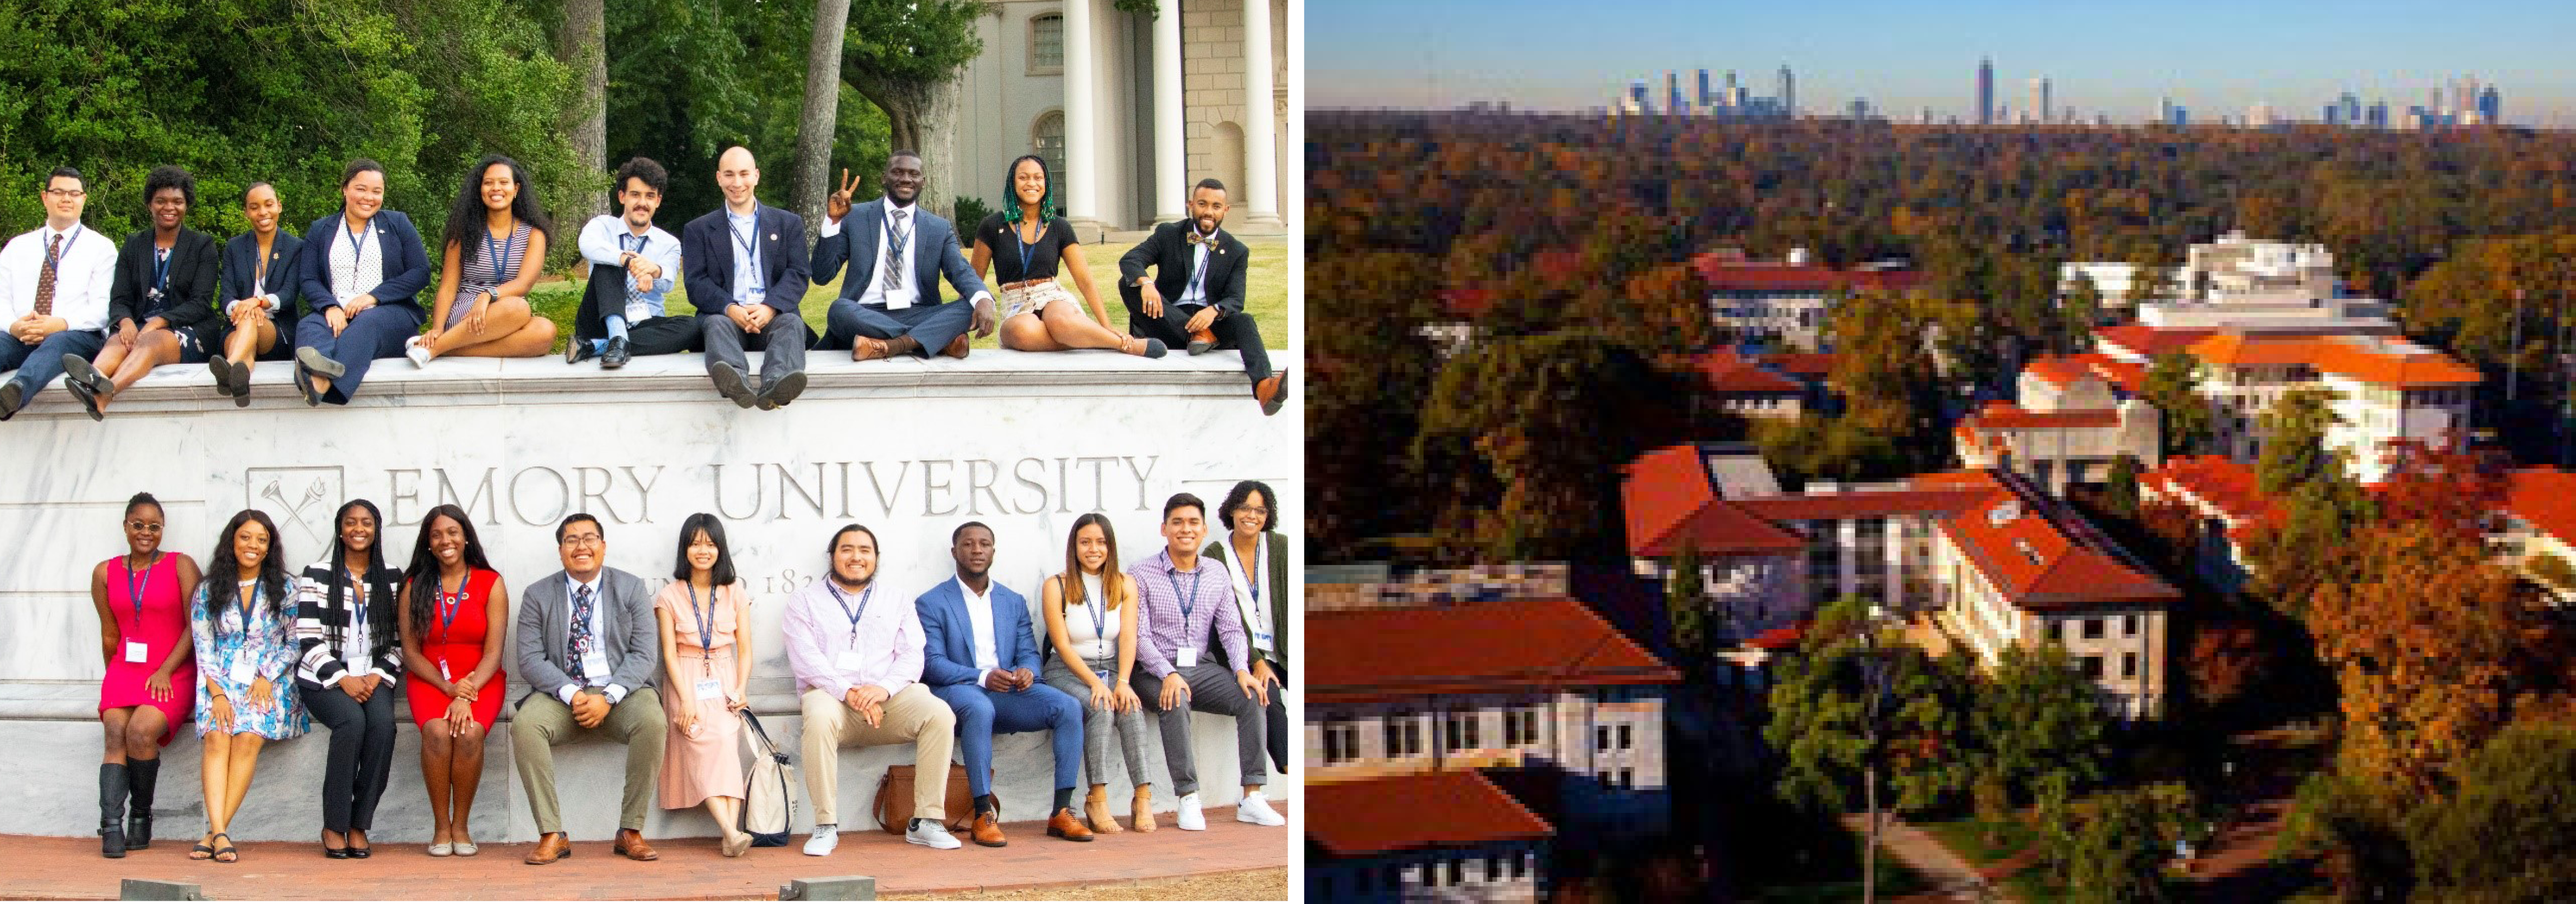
<point x="981" y="657"/>
<point x="745" y="270"/>
<point x="897" y="252"/>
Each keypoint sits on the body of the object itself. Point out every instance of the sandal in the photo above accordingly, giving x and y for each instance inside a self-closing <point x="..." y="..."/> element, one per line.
<point x="202" y="851"/>
<point x="227" y="853"/>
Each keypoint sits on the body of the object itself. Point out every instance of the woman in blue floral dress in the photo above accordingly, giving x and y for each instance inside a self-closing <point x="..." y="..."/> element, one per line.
<point x="243" y="617"/>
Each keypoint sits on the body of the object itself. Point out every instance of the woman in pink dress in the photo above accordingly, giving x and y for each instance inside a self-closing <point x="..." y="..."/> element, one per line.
<point x="706" y="650"/>
<point x="142" y="600"/>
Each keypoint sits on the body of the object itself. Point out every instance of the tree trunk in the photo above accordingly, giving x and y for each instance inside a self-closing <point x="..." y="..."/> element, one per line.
<point x="813" y="178"/>
<point x="584" y="47"/>
<point x="922" y="118"/>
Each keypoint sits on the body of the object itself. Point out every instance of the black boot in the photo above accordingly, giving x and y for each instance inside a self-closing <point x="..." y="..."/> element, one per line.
<point x="142" y="774"/>
<point x="111" y="809"/>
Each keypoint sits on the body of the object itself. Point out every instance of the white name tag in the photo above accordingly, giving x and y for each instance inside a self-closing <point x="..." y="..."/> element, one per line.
<point x="1189" y="657"/>
<point x="594" y="667"/>
<point x="847" y="661"/>
<point x="442" y="671"/>
<point x="241" y="670"/>
<point x="1261" y="640"/>
<point x="710" y="689"/>
<point x="135" y="651"/>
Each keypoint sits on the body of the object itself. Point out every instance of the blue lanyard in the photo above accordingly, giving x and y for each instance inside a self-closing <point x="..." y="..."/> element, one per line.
<point x="73" y="235"/>
<point x="1195" y="575"/>
<point x="161" y="270"/>
<point x="134" y="589"/>
<point x="750" y="251"/>
<point x="845" y="605"/>
<point x="495" y="249"/>
<point x="1024" y="249"/>
<point x="707" y="628"/>
<point x="449" y="603"/>
<point x="358" y="589"/>
<point x="357" y="243"/>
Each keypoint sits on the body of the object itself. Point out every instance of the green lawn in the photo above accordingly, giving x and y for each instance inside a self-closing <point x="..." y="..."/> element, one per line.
<point x="1894" y="879"/>
<point x="1265" y="291"/>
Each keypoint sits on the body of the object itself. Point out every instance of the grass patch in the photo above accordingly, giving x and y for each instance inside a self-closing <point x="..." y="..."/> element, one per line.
<point x="1894" y="879"/>
<point x="1966" y="837"/>
<point x="1265" y="291"/>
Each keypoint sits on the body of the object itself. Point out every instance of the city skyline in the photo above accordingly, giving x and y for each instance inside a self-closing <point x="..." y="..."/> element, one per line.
<point x="1901" y="58"/>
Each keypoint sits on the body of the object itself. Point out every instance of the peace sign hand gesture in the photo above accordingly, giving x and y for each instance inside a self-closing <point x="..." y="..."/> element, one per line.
<point x="838" y="205"/>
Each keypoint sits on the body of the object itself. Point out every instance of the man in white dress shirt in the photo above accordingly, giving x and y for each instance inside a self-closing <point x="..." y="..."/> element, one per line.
<point x="53" y="292"/>
<point x="633" y="265"/>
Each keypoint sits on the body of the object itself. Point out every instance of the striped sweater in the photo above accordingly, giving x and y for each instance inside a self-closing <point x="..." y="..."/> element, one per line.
<point x="321" y="628"/>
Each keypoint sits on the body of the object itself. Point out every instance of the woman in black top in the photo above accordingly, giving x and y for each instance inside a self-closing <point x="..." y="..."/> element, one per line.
<point x="261" y="290"/>
<point x="161" y="308"/>
<point x="1037" y="314"/>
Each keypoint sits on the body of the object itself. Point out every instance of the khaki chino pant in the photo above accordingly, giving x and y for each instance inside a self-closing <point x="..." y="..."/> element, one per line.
<point x="543" y="722"/>
<point x="915" y="715"/>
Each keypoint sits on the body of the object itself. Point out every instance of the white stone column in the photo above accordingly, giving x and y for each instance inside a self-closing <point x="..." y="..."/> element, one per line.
<point x="1171" y="150"/>
<point x="1081" y="138"/>
<point x="1260" y="198"/>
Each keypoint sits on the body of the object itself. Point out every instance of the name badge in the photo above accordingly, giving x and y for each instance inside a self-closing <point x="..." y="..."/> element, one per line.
<point x="1262" y="641"/>
<point x="757" y="294"/>
<point x="242" y="670"/>
<point x="594" y="666"/>
<point x="1189" y="657"/>
<point x="135" y="651"/>
<point x="710" y="689"/>
<point x="1104" y="678"/>
<point x="846" y="661"/>
<point x="442" y="671"/>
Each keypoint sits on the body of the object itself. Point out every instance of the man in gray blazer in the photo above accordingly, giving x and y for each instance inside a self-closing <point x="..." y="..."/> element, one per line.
<point x="588" y="646"/>
<point x="897" y="252"/>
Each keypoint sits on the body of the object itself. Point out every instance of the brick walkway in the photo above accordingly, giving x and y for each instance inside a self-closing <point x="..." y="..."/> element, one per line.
<point x="70" y="868"/>
<point x="1951" y="877"/>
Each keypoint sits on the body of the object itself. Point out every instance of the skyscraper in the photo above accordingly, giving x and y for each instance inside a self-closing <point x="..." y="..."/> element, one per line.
<point x="1788" y="94"/>
<point x="1986" y="92"/>
<point x="2039" y="107"/>
<point x="1673" y="92"/>
<point x="2377" y="115"/>
<point x="2490" y="107"/>
<point x="1703" y="88"/>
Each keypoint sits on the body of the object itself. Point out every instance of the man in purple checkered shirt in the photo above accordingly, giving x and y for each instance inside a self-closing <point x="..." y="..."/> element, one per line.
<point x="1189" y="601"/>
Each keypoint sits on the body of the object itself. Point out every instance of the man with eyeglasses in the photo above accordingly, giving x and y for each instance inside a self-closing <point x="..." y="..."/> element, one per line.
<point x="53" y="293"/>
<point x="588" y="646"/>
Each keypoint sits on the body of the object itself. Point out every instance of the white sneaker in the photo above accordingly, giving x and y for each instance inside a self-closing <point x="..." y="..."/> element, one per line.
<point x="417" y="352"/>
<point x="1191" y="819"/>
<point x="825" y="839"/>
<point x="1255" y="809"/>
<point x="930" y="834"/>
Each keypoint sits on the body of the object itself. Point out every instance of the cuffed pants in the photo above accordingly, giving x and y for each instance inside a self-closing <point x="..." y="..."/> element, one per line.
<point x="1212" y="690"/>
<point x="932" y="325"/>
<point x="915" y="715"/>
<point x="981" y="713"/>
<point x="377" y="332"/>
<point x="37" y="365"/>
<point x="362" y="752"/>
<point x="1098" y="722"/>
<point x="543" y="722"/>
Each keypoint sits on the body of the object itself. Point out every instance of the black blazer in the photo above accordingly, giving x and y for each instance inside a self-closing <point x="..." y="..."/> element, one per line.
<point x="1169" y="254"/>
<point x="706" y="261"/>
<point x="406" y="265"/>
<point x="934" y="252"/>
<point x="241" y="266"/>
<point x="187" y="304"/>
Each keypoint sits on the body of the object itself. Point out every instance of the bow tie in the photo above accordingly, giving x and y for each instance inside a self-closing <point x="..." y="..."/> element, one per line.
<point x="1195" y="238"/>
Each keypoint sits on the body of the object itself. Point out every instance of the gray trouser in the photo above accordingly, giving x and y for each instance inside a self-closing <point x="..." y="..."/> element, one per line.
<point x="1212" y="690"/>
<point x="782" y="346"/>
<point x="1096" y="722"/>
<point x="543" y="722"/>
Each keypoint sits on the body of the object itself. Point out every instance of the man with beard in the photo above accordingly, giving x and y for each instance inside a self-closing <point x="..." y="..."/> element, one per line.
<point x="981" y="657"/>
<point x="897" y="253"/>
<point x="857" y="661"/>
<point x="632" y="265"/>
<point x="1189" y="598"/>
<point x="1195" y="296"/>
<point x="745" y="269"/>
<point x="588" y="646"/>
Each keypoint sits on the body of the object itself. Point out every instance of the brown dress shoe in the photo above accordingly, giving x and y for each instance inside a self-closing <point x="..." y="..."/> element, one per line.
<point x="1143" y="813"/>
<point x="1064" y="825"/>
<point x="956" y="347"/>
<point x="863" y="348"/>
<point x="1095" y="806"/>
<point x="550" y="848"/>
<point x="1201" y="341"/>
<point x="631" y="843"/>
<point x="1271" y="392"/>
<point x="988" y="830"/>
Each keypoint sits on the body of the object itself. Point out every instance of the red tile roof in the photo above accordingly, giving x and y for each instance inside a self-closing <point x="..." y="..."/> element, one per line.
<point x="1815" y="365"/>
<point x="2001" y="415"/>
<point x="1726" y="274"/>
<point x="2149" y="342"/>
<point x="1662" y="489"/>
<point x="2065" y="371"/>
<point x="1454" y="808"/>
<point x="2042" y="556"/>
<point x="2392" y="368"/>
<point x="1523" y="645"/>
<point x="2545" y="497"/>
<point x="2238" y="350"/>
<point x="2222" y="482"/>
<point x="2129" y="376"/>
<point x="1867" y="504"/>
<point x="1728" y="372"/>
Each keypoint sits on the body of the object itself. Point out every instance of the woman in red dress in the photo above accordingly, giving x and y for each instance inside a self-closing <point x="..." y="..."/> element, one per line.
<point x="455" y="615"/>
<point x="142" y="600"/>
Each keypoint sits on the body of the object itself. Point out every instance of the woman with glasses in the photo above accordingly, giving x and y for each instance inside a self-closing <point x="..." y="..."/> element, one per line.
<point x="455" y="617"/>
<point x="142" y="600"/>
<point x="1258" y="556"/>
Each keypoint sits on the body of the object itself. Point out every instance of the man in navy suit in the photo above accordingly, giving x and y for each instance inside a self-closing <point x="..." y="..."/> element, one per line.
<point x="980" y="656"/>
<point x="897" y="252"/>
<point x="745" y="266"/>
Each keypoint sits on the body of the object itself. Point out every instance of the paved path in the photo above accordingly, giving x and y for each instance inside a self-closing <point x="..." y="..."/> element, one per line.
<point x="1951" y="877"/>
<point x="70" y="868"/>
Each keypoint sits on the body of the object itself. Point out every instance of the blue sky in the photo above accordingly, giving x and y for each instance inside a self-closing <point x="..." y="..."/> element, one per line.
<point x="2108" y="56"/>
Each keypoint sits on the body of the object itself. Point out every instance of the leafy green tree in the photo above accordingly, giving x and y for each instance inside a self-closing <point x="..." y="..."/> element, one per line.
<point x="2173" y="386"/>
<point x="2355" y="832"/>
<point x="2122" y="488"/>
<point x="1820" y="711"/>
<point x="1687" y="608"/>
<point x="2507" y="834"/>
<point x="2121" y="843"/>
<point x="904" y="56"/>
<point x="2294" y="440"/>
<point x="2035" y="718"/>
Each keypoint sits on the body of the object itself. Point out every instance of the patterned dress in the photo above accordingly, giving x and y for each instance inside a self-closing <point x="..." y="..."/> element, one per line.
<point x="259" y="644"/>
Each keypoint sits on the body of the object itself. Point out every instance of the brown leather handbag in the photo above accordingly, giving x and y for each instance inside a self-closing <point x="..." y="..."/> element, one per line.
<point x="894" y="800"/>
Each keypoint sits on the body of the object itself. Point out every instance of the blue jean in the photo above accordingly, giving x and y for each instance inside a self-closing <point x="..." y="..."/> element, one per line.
<point x="37" y="365"/>
<point x="377" y="332"/>
<point x="980" y="713"/>
<point x="934" y="325"/>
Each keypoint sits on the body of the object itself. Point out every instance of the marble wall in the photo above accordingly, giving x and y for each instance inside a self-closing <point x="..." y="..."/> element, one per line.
<point x="1022" y="442"/>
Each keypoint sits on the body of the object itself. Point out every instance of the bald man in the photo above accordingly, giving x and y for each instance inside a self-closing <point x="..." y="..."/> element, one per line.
<point x="746" y="272"/>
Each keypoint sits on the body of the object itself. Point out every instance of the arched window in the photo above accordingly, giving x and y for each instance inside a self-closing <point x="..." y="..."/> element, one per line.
<point x="1046" y="139"/>
<point x="1046" y="44"/>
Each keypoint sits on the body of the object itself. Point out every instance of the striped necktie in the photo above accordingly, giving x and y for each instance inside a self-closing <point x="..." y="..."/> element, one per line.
<point x="898" y="234"/>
